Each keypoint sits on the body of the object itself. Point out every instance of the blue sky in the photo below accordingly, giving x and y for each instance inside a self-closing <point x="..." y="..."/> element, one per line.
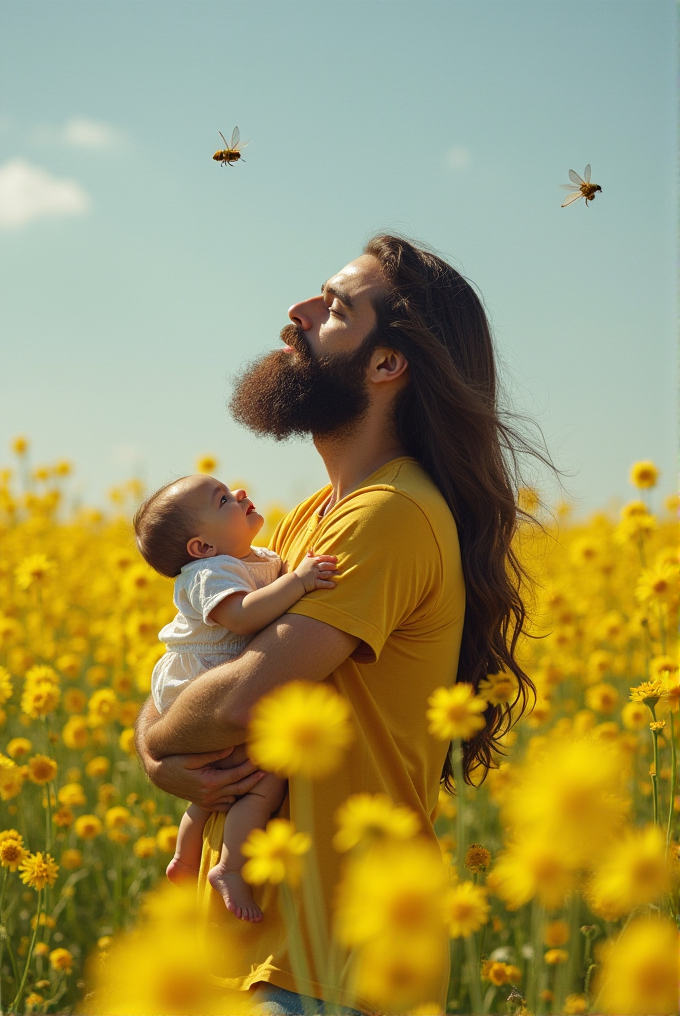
<point x="136" y="275"/>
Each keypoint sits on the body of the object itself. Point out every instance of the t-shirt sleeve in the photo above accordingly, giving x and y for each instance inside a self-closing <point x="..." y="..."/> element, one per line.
<point x="210" y="585"/>
<point x="389" y="567"/>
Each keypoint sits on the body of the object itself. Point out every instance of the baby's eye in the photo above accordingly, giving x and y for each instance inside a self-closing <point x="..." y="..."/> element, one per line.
<point x="223" y="499"/>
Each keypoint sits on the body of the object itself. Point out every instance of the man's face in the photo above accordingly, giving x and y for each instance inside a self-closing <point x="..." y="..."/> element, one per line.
<point x="317" y="383"/>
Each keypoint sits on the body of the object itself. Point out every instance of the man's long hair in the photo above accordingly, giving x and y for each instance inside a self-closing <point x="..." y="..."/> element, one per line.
<point x="448" y="418"/>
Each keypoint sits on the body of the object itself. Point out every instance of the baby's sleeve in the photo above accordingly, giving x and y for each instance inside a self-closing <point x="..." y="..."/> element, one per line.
<point x="214" y="582"/>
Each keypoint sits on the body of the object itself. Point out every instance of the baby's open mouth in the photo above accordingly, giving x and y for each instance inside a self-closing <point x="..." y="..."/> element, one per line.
<point x="250" y="508"/>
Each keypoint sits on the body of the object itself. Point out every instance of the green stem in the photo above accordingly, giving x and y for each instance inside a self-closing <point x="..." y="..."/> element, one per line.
<point x="474" y="984"/>
<point x="17" y="1001"/>
<point x="296" y="949"/>
<point x="457" y="761"/>
<point x="3" y="931"/>
<point x="674" y="764"/>
<point x="315" y="916"/>
<point x="655" y="777"/>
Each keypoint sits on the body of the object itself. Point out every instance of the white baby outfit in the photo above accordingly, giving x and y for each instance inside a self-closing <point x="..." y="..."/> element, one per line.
<point x="194" y="642"/>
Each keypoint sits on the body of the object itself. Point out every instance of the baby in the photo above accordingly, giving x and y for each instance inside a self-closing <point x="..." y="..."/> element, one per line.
<point x="199" y="532"/>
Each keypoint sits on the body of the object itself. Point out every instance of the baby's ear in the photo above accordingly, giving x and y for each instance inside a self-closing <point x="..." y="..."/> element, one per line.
<point x="197" y="548"/>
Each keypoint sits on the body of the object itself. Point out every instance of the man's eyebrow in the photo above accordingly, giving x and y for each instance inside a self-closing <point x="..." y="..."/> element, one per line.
<point x="340" y="293"/>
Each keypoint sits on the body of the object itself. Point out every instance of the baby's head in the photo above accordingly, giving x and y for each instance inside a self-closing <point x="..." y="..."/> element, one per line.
<point x="195" y="517"/>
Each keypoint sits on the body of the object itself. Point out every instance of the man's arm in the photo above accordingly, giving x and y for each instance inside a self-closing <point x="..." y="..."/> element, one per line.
<point x="213" y="711"/>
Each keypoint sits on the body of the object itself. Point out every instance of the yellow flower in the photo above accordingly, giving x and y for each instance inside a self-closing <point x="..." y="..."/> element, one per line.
<point x="392" y="891"/>
<point x="145" y="846"/>
<point x="499" y="689"/>
<point x="12" y="854"/>
<point x="634" y="873"/>
<point x="367" y="817"/>
<point x="39" y="870"/>
<point x="532" y="868"/>
<point x="103" y="707"/>
<point x="11" y="779"/>
<point x="87" y="827"/>
<point x="117" y="818"/>
<point x="206" y="464"/>
<point x="6" y="686"/>
<point x="397" y="976"/>
<point x="18" y="747"/>
<point x="63" y="817"/>
<point x="556" y="933"/>
<point x="127" y="741"/>
<point x="11" y="834"/>
<point x="72" y="794"/>
<point x="71" y="859"/>
<point x="40" y="699"/>
<point x="575" y="1005"/>
<point x="61" y="959"/>
<point x="496" y="972"/>
<point x="20" y="445"/>
<point x="639" y="970"/>
<point x="555" y="956"/>
<point x="635" y="715"/>
<point x="32" y="569"/>
<point x="648" y="692"/>
<point x="477" y="859"/>
<point x="97" y="767"/>
<point x="75" y="732"/>
<point x="658" y="583"/>
<point x="41" y="769"/>
<point x="34" y="999"/>
<point x="644" y="475"/>
<point x="602" y="698"/>
<point x="301" y="727"/>
<point x="455" y="712"/>
<point x="275" y="853"/>
<point x="166" y="838"/>
<point x="466" y="909"/>
<point x="74" y="700"/>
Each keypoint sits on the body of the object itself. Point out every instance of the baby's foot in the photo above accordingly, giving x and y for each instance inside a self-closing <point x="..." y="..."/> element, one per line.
<point x="235" y="893"/>
<point x="179" y="871"/>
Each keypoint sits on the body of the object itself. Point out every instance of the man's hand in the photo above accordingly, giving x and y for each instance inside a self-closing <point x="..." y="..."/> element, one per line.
<point x="193" y="778"/>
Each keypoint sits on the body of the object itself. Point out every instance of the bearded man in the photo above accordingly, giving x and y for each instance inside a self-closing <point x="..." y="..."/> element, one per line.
<point x="391" y="371"/>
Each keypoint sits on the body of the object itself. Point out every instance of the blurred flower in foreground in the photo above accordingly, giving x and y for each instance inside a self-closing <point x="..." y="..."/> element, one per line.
<point x="301" y="727"/>
<point x="369" y="817"/>
<point x="163" y="967"/>
<point x="634" y="873"/>
<point x="530" y="868"/>
<point x="275" y="853"/>
<point x="206" y="464"/>
<point x="34" y="568"/>
<point x="644" y="475"/>
<point x="639" y="972"/>
<point x="455" y="712"/>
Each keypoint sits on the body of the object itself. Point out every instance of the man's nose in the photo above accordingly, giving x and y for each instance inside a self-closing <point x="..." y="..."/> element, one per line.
<point x="307" y="312"/>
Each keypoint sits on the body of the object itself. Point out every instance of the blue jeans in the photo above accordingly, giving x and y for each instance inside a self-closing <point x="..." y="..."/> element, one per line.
<point x="272" y="1001"/>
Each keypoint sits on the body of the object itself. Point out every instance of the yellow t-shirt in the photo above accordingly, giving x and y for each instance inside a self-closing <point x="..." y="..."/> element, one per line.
<point x="400" y="590"/>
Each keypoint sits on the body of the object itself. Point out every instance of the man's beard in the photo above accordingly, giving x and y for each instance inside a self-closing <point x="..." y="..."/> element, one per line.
<point x="285" y="394"/>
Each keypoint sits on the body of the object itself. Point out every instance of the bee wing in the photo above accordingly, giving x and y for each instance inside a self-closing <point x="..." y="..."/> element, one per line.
<point x="569" y="186"/>
<point x="586" y="173"/>
<point x="235" y="137"/>
<point x="575" y="178"/>
<point x="223" y="138"/>
<point x="572" y="197"/>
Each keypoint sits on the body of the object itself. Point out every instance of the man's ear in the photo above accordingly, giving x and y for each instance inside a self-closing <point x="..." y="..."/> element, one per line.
<point x="197" y="548"/>
<point x="387" y="365"/>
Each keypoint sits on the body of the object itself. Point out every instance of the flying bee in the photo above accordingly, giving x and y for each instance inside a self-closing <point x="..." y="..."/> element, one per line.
<point x="232" y="151"/>
<point x="580" y="188"/>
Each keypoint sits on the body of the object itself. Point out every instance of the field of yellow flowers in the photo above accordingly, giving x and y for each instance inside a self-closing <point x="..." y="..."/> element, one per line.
<point x="559" y="890"/>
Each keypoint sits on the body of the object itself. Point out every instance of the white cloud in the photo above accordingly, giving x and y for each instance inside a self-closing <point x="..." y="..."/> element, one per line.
<point x="458" y="157"/>
<point x="81" y="133"/>
<point x="28" y="192"/>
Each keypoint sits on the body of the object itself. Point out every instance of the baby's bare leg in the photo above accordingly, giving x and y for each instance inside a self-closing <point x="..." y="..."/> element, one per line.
<point x="187" y="859"/>
<point x="252" y="811"/>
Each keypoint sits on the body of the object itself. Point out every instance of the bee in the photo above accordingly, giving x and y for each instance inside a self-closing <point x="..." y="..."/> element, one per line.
<point x="581" y="188"/>
<point x="232" y="151"/>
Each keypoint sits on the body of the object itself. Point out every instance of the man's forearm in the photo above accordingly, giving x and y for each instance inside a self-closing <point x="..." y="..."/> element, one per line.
<point x="213" y="711"/>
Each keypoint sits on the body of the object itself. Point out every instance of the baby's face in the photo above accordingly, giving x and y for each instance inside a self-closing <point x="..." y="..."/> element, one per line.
<point x="228" y="520"/>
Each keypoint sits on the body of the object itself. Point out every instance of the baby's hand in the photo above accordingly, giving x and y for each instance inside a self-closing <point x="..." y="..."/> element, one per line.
<point x="317" y="572"/>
